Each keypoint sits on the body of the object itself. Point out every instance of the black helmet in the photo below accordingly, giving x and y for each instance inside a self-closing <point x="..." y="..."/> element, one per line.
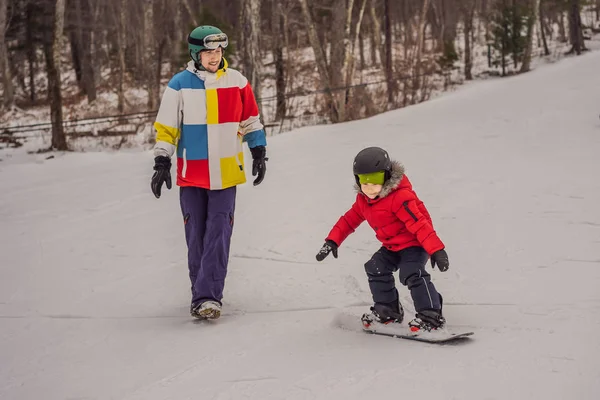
<point x="372" y="159"/>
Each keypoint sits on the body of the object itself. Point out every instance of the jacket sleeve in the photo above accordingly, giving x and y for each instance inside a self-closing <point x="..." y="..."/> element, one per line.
<point x="407" y="210"/>
<point x="168" y="121"/>
<point x="250" y="127"/>
<point x="346" y="225"/>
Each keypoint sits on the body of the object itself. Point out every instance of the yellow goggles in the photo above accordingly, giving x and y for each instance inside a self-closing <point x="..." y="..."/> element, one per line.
<point x="375" y="178"/>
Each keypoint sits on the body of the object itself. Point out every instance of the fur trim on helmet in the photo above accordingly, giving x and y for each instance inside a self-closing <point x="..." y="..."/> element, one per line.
<point x="390" y="184"/>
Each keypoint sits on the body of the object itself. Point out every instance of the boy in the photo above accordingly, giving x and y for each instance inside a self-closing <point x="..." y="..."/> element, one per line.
<point x="401" y="222"/>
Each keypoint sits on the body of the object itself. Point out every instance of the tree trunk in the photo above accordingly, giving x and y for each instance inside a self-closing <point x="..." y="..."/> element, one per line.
<point x="340" y="55"/>
<point x="468" y="16"/>
<point x="81" y="48"/>
<point x="534" y="6"/>
<point x="251" y="33"/>
<point x="376" y="46"/>
<point x="355" y="42"/>
<point x="361" y="51"/>
<point x="87" y="26"/>
<point x="149" y="53"/>
<point x="450" y="22"/>
<point x="436" y="22"/>
<point x="543" y="29"/>
<point x="122" y="45"/>
<point x="52" y="52"/>
<point x="190" y="12"/>
<point x="351" y="54"/>
<point x="175" y="56"/>
<point x="513" y="35"/>
<point x="76" y="54"/>
<point x="7" y="84"/>
<point x="278" y="34"/>
<point x="575" y="31"/>
<point x="74" y="15"/>
<point x="562" y="32"/>
<point x="318" y="52"/>
<point x="389" y="72"/>
<point x="30" y="49"/>
<point x="419" y="50"/>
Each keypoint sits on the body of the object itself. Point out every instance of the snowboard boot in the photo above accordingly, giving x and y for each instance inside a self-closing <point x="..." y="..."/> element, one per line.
<point x="384" y="313"/>
<point x="427" y="321"/>
<point x="208" y="309"/>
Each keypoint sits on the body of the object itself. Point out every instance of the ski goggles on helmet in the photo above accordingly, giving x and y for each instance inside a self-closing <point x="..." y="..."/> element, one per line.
<point x="375" y="178"/>
<point x="211" y="42"/>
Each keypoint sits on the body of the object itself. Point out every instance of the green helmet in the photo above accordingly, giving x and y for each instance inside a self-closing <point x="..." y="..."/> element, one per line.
<point x="205" y="37"/>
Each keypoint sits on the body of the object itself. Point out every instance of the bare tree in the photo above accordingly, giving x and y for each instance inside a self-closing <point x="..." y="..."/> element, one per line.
<point x="7" y="84"/>
<point x="562" y="31"/>
<point x="355" y="42"/>
<point x="340" y="53"/>
<point x="543" y="28"/>
<point x="30" y="47"/>
<point x="534" y="6"/>
<point x="278" y="27"/>
<point x="575" y="30"/>
<point x="53" y="66"/>
<point x="251" y="38"/>
<point x="318" y="51"/>
<point x="389" y="71"/>
<point x="81" y="43"/>
<point x="467" y="9"/>
<point x="376" y="47"/>
<point x="191" y="14"/>
<point x="121" y="43"/>
<point x="419" y="49"/>
<point x="176" y="30"/>
<point x="149" y="52"/>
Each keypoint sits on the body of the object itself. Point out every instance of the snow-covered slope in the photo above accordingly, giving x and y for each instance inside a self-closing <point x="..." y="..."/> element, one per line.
<point x="94" y="293"/>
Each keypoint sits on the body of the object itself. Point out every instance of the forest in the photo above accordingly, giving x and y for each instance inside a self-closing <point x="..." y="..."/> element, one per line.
<point x="308" y="61"/>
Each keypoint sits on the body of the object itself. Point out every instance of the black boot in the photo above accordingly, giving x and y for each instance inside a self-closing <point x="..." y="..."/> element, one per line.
<point x="385" y="313"/>
<point x="427" y="320"/>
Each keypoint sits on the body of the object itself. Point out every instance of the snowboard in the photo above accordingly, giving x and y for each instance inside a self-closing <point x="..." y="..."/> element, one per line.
<point x="399" y="331"/>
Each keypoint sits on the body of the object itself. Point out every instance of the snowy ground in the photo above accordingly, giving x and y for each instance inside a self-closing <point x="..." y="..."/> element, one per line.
<point x="93" y="280"/>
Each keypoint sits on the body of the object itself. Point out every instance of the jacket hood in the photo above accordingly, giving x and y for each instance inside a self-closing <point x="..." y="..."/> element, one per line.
<point x="389" y="185"/>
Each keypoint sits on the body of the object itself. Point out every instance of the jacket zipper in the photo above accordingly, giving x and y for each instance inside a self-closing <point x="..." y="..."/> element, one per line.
<point x="408" y="210"/>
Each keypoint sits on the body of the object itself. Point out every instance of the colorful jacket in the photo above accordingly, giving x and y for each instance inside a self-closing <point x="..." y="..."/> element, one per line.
<point x="206" y="117"/>
<point x="397" y="216"/>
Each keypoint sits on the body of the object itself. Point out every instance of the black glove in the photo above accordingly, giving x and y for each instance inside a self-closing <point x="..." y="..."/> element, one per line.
<point x="328" y="247"/>
<point x="440" y="258"/>
<point x="259" y="163"/>
<point x="162" y="166"/>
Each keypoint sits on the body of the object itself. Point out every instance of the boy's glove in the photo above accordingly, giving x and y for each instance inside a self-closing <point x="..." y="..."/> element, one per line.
<point x="328" y="247"/>
<point x="162" y="166"/>
<point x="259" y="163"/>
<point x="440" y="258"/>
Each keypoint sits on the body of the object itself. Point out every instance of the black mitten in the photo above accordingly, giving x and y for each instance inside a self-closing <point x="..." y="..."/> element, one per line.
<point x="162" y="174"/>
<point x="329" y="247"/>
<point x="259" y="163"/>
<point x="440" y="258"/>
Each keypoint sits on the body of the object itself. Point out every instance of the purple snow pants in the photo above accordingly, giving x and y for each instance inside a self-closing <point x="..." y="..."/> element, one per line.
<point x="208" y="219"/>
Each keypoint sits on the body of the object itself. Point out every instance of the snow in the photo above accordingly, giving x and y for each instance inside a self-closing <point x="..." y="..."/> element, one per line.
<point x="94" y="293"/>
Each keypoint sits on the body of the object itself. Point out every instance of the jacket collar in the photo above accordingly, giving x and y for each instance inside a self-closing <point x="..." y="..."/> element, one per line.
<point x="205" y="75"/>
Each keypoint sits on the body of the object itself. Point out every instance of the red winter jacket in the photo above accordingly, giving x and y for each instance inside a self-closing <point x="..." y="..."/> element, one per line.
<point x="397" y="216"/>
